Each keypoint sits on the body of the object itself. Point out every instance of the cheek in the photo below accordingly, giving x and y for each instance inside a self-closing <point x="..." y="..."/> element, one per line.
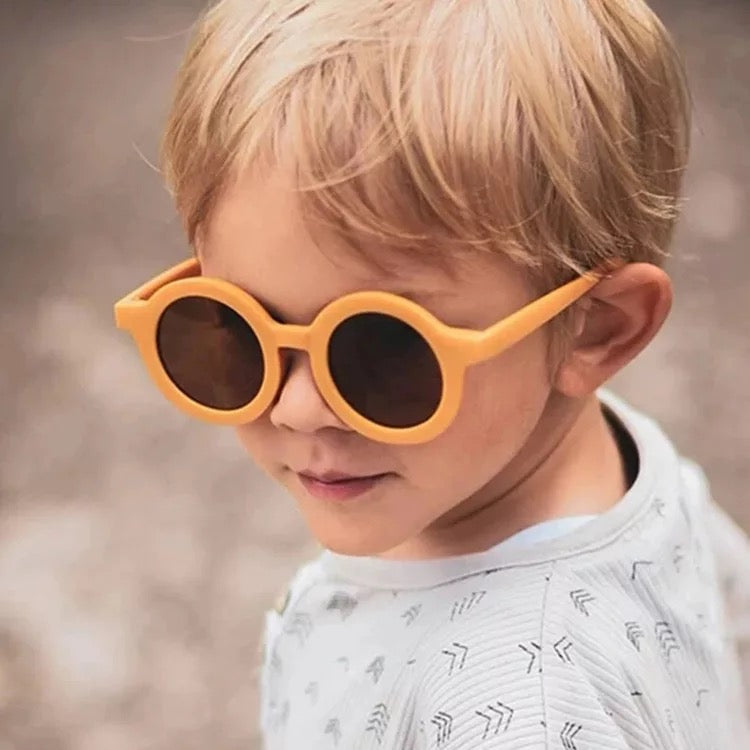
<point x="503" y="398"/>
<point x="502" y="402"/>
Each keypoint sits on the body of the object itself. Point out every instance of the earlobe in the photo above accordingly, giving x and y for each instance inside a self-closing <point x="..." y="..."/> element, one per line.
<point x="625" y="312"/>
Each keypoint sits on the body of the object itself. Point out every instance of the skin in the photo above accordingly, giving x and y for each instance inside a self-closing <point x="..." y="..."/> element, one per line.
<point x="527" y="444"/>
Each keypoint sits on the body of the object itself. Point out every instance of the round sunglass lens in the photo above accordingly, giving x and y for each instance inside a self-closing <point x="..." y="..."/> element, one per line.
<point x="385" y="370"/>
<point x="210" y="352"/>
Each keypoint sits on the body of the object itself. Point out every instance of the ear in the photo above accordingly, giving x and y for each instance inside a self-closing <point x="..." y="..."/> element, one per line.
<point x="616" y="320"/>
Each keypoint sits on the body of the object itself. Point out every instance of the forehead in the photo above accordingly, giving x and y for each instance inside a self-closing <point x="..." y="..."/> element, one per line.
<point x="258" y="239"/>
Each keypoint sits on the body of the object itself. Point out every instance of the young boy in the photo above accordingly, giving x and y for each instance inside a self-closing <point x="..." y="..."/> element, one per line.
<point x="426" y="233"/>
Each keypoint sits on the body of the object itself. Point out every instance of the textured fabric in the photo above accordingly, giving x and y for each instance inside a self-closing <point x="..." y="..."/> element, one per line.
<point x="611" y="635"/>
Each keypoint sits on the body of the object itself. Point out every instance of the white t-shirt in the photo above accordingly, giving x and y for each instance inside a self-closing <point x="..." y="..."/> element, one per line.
<point x="587" y="633"/>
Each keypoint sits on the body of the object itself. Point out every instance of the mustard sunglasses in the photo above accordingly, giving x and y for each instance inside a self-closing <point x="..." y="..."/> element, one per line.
<point x="386" y="366"/>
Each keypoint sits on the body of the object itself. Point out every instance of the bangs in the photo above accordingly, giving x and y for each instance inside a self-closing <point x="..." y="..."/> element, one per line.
<point x="382" y="154"/>
<point x="533" y="129"/>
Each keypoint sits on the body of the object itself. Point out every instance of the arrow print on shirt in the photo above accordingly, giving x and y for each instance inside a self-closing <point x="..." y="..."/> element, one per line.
<point x="667" y="641"/>
<point x="301" y="625"/>
<point x="700" y="696"/>
<point x="345" y="661"/>
<point x="633" y="632"/>
<point x="534" y="651"/>
<point x="568" y="734"/>
<point x="462" y="606"/>
<point x="376" y="668"/>
<point x="444" y="724"/>
<point x="562" y="646"/>
<point x="333" y="727"/>
<point x="411" y="614"/>
<point x="505" y="714"/>
<point x="378" y="721"/>
<point x="453" y="654"/>
<point x="634" y="570"/>
<point x="343" y="602"/>
<point x="580" y="598"/>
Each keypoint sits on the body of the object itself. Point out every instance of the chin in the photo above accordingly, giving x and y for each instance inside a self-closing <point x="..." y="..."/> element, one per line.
<point x="346" y="549"/>
<point x="349" y="547"/>
<point x="348" y="544"/>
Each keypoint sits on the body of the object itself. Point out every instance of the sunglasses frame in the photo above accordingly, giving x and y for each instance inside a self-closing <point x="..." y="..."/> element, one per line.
<point x="455" y="348"/>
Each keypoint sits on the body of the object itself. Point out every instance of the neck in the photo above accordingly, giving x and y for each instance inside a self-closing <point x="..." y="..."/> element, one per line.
<point x="571" y="465"/>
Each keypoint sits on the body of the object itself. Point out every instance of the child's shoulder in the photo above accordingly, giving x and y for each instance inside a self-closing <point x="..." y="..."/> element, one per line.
<point x="636" y="653"/>
<point x="304" y="576"/>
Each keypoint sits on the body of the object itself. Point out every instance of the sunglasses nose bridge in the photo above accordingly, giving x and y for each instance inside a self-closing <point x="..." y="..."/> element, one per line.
<point x="293" y="337"/>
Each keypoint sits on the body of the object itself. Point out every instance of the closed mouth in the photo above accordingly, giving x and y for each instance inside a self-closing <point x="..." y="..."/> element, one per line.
<point x="333" y="477"/>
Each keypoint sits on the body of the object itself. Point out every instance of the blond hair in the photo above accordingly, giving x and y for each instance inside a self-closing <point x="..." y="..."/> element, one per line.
<point x="553" y="131"/>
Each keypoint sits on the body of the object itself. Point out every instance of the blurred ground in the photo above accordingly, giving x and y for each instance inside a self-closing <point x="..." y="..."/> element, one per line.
<point x="137" y="549"/>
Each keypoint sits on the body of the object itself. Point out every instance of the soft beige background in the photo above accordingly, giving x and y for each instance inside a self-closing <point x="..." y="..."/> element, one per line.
<point x="138" y="549"/>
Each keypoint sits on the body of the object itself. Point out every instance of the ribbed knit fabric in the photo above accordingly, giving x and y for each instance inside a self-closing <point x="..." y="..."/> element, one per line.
<point x="612" y="635"/>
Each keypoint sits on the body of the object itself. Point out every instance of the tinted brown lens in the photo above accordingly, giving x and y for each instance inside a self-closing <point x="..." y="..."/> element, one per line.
<point x="385" y="370"/>
<point x="210" y="352"/>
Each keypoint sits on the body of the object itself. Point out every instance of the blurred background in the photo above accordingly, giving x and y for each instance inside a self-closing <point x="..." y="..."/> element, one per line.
<point x="138" y="549"/>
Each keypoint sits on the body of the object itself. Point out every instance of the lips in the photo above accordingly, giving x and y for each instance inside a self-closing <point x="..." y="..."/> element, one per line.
<point x="334" y="485"/>
<point x="331" y="477"/>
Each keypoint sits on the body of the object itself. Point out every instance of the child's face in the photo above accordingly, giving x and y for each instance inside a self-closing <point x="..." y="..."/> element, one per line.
<point x="257" y="240"/>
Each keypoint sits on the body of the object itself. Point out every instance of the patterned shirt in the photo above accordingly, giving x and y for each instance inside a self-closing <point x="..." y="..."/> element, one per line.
<point x="611" y="634"/>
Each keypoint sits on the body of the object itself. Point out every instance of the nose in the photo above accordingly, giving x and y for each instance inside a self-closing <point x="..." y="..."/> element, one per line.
<point x="299" y="405"/>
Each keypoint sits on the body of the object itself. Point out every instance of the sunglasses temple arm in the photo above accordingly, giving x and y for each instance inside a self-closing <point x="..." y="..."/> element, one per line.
<point x="129" y="305"/>
<point x="183" y="270"/>
<point x="525" y="321"/>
